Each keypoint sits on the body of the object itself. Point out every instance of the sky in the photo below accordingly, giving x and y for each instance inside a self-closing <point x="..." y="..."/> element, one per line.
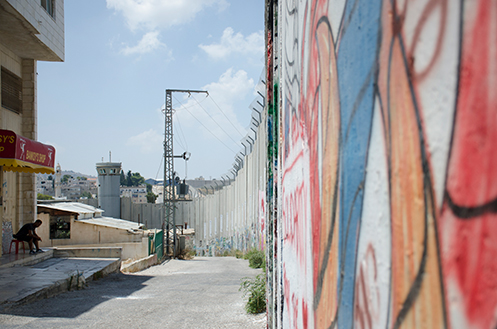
<point x="106" y="100"/>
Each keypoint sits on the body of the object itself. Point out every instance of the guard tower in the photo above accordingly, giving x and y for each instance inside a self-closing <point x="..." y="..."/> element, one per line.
<point x="109" y="180"/>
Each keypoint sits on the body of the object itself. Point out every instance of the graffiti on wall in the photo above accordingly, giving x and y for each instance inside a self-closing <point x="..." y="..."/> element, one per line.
<point x="388" y="206"/>
<point x="262" y="220"/>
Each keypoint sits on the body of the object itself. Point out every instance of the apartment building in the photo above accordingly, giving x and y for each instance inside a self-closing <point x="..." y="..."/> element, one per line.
<point x="138" y="194"/>
<point x="30" y="31"/>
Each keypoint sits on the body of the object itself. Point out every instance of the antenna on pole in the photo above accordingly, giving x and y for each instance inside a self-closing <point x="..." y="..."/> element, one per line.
<point x="169" y="197"/>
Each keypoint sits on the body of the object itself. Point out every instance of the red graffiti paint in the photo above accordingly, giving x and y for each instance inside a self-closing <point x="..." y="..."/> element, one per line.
<point x="305" y="315"/>
<point x="294" y="205"/>
<point x="469" y="210"/>
<point x="289" y="302"/>
<point x="367" y="296"/>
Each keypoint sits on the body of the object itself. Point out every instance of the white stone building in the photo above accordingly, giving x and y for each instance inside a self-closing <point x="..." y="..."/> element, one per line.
<point x="30" y="31"/>
<point x="138" y="194"/>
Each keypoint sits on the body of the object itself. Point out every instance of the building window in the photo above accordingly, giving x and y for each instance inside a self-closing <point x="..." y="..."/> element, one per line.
<point x="11" y="91"/>
<point x="60" y="227"/>
<point x="49" y="6"/>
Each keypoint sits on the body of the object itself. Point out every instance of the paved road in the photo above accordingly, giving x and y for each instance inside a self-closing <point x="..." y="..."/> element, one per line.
<point x="199" y="293"/>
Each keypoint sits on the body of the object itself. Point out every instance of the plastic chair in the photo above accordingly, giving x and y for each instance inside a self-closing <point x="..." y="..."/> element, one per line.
<point x="17" y="245"/>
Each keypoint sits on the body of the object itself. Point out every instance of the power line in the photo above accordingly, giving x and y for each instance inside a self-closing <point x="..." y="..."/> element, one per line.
<point x="241" y="134"/>
<point x="160" y="166"/>
<point x="182" y="133"/>
<point x="210" y="116"/>
<point x="229" y="148"/>
<point x="181" y="137"/>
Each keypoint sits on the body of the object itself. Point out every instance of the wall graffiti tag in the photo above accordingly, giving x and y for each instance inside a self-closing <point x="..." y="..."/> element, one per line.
<point x="387" y="193"/>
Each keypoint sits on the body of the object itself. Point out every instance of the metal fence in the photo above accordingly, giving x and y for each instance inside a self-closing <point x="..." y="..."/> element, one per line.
<point x="155" y="242"/>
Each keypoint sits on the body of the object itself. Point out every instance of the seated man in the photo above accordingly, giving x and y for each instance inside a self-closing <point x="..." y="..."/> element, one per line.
<point x="27" y="233"/>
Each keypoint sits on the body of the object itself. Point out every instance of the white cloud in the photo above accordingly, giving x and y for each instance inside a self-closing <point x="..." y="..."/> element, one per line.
<point x="225" y="94"/>
<point x="153" y="14"/>
<point x="147" y="44"/>
<point x="235" y="43"/>
<point x="231" y="85"/>
<point x="148" y="142"/>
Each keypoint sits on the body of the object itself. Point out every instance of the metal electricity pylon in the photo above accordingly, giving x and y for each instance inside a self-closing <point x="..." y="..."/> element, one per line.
<point x="169" y="197"/>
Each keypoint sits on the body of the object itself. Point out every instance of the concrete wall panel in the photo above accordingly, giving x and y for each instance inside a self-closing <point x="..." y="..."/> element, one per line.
<point x="385" y="196"/>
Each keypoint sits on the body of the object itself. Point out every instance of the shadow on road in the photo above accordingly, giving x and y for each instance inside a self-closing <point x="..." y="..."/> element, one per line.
<point x="74" y="303"/>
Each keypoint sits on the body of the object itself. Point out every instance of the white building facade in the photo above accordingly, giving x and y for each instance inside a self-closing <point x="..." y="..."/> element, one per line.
<point x="30" y="31"/>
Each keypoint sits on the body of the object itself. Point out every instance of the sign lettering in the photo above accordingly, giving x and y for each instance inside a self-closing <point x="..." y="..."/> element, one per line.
<point x="35" y="157"/>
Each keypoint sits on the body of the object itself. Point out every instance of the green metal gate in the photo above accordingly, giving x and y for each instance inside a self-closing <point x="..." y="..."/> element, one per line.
<point x="155" y="244"/>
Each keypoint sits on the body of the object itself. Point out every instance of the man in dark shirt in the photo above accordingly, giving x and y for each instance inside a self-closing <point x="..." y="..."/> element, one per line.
<point x="27" y="233"/>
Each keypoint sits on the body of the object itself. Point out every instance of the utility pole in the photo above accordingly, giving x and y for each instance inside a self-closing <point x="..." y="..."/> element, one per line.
<point x="169" y="197"/>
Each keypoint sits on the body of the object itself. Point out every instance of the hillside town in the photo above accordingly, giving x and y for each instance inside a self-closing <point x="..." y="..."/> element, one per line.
<point x="68" y="185"/>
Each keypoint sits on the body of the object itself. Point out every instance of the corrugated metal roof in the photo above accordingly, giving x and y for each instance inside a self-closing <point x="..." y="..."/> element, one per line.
<point x="83" y="210"/>
<point x="112" y="222"/>
<point x="90" y="215"/>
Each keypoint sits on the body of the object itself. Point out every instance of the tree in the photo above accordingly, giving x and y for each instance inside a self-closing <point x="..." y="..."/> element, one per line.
<point x="65" y="179"/>
<point x="151" y="197"/>
<point x="87" y="195"/>
<point x="137" y="179"/>
<point x="129" y="181"/>
<point x="41" y="196"/>
<point x="132" y="179"/>
<point x="123" y="179"/>
<point x="50" y="177"/>
<point x="149" y="187"/>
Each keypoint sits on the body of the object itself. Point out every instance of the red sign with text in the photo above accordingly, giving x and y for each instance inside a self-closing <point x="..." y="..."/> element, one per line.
<point x="19" y="153"/>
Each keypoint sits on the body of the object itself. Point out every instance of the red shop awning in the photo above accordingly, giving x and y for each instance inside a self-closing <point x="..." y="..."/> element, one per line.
<point x="18" y="153"/>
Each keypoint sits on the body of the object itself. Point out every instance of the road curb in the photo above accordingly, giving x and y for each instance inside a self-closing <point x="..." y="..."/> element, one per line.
<point x="140" y="264"/>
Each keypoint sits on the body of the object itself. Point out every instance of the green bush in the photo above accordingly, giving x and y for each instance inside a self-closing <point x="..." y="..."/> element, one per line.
<point x="41" y="196"/>
<point x="256" y="258"/>
<point x="256" y="289"/>
<point x="239" y="254"/>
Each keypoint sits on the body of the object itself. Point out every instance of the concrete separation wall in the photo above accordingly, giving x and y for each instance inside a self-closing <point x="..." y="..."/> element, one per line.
<point x="139" y="264"/>
<point x="231" y="214"/>
<point x="148" y="214"/>
<point x="385" y="194"/>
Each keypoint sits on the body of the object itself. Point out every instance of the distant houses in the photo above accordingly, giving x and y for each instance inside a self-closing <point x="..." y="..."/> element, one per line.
<point x="138" y="194"/>
<point x="73" y="187"/>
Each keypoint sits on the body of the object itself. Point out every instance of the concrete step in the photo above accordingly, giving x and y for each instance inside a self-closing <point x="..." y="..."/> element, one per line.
<point x="21" y="259"/>
<point x="49" y="277"/>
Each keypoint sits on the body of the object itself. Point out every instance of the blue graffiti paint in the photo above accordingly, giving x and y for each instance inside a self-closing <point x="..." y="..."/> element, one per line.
<point x="357" y="58"/>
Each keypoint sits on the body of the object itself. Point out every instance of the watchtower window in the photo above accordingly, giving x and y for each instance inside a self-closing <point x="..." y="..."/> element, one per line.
<point x="11" y="91"/>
